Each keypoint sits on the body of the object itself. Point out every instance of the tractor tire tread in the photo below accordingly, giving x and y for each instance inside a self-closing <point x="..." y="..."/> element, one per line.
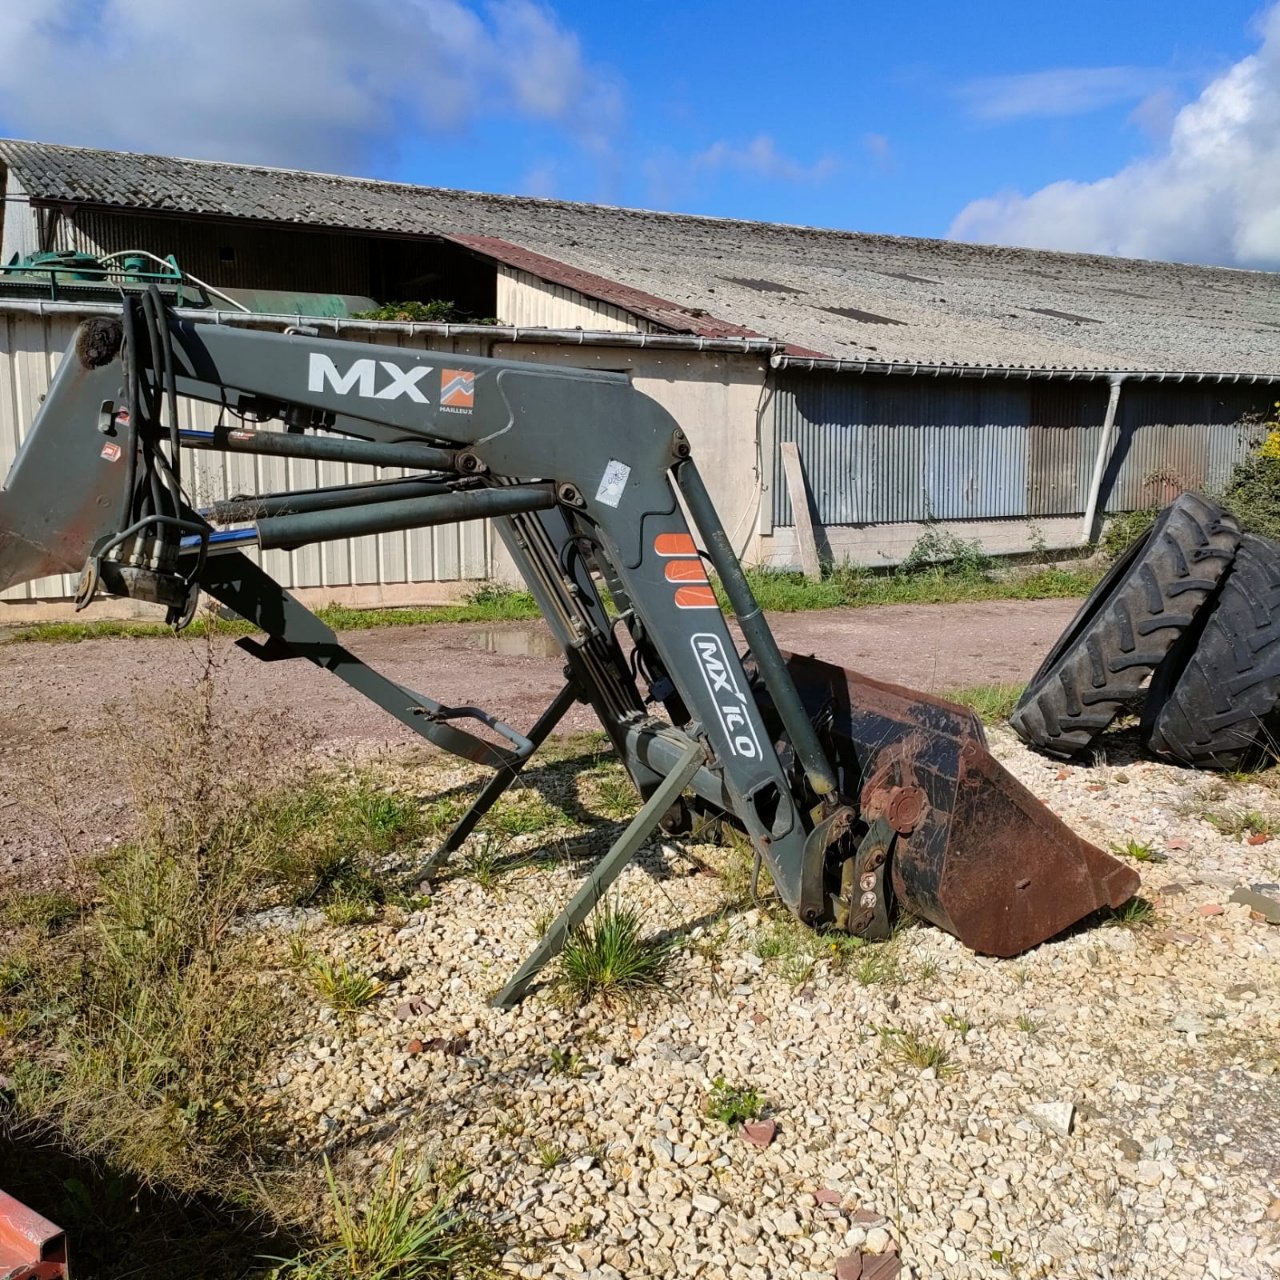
<point x="1212" y="704"/>
<point x="1125" y="629"/>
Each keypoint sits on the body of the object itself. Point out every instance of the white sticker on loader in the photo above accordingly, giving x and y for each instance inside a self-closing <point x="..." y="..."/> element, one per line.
<point x="731" y="704"/>
<point x="612" y="483"/>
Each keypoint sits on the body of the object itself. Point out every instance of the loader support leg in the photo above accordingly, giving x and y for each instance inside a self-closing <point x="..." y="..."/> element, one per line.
<point x="500" y="781"/>
<point x="606" y="871"/>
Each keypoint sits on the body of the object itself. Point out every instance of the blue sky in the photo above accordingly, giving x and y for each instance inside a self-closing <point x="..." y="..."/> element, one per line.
<point x="1130" y="126"/>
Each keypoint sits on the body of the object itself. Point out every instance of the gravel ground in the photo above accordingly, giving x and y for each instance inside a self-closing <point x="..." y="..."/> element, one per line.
<point x="1108" y="1106"/>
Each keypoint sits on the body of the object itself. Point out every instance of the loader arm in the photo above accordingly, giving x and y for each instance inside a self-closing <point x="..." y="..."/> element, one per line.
<point x="585" y="478"/>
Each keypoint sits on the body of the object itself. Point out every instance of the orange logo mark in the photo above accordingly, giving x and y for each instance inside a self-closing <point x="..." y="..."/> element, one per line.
<point x="685" y="571"/>
<point x="696" y="598"/>
<point x="674" y="544"/>
<point x="457" y="388"/>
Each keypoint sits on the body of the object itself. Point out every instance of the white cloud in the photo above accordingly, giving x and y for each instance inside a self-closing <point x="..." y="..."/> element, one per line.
<point x="761" y="158"/>
<point x="325" y="84"/>
<point x="1061" y="91"/>
<point x="1211" y="193"/>
<point x="880" y="150"/>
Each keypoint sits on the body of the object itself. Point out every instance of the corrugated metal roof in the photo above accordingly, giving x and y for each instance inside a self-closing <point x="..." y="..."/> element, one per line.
<point x="957" y="304"/>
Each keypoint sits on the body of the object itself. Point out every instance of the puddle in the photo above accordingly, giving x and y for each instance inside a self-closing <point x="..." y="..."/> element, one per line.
<point x="515" y="642"/>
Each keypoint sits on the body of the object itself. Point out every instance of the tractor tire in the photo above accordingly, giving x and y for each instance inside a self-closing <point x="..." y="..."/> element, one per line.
<point x="1211" y="701"/>
<point x="1124" y="629"/>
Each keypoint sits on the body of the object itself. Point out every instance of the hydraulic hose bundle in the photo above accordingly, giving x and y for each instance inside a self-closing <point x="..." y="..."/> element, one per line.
<point x="141" y="559"/>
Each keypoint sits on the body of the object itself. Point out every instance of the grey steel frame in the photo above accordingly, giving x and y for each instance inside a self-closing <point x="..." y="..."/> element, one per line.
<point x="581" y="472"/>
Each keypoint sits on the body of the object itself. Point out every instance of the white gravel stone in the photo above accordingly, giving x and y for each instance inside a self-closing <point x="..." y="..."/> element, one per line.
<point x="1172" y="1164"/>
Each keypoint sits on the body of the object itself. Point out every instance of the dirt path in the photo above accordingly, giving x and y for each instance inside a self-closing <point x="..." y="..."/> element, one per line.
<point x="61" y="695"/>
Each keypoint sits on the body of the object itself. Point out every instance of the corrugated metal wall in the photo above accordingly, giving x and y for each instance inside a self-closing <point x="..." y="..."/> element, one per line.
<point x="30" y="347"/>
<point x="524" y="300"/>
<point x="889" y="450"/>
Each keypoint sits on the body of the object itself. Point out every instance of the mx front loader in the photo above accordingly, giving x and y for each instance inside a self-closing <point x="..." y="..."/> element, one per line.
<point x="859" y="797"/>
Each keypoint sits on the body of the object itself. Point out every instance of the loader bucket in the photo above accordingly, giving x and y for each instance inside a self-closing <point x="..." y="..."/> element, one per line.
<point x="977" y="854"/>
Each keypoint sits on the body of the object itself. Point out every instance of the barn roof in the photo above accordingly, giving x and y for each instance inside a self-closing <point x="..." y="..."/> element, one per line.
<point x="841" y="294"/>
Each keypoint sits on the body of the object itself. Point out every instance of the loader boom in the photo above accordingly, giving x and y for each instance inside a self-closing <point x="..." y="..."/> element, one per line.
<point x="585" y="478"/>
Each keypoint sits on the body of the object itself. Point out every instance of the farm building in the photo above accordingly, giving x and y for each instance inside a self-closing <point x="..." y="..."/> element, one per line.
<point x="1012" y="396"/>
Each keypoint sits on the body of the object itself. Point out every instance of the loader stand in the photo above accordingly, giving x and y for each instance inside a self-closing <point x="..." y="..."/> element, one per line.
<point x="605" y="872"/>
<point x="500" y="781"/>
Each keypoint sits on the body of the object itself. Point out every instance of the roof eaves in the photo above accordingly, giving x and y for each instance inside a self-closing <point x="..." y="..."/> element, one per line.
<point x="927" y="369"/>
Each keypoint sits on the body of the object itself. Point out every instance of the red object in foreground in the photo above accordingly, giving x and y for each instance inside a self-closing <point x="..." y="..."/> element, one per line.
<point x="31" y="1247"/>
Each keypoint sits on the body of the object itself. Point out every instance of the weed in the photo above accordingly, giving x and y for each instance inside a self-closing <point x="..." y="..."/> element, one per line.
<point x="877" y="966"/>
<point x="609" y="956"/>
<point x="799" y="968"/>
<point x="840" y="949"/>
<point x="1139" y="851"/>
<point x="1123" y="530"/>
<point x="327" y="840"/>
<point x="733" y="1104"/>
<point x="844" y="586"/>
<point x="914" y="1050"/>
<point x="1251" y="822"/>
<point x="614" y="792"/>
<point x="565" y="1062"/>
<point x="548" y="1154"/>
<point x="1253" y="492"/>
<point x="992" y="702"/>
<point x="441" y="815"/>
<point x="487" y="861"/>
<point x="927" y="970"/>
<point x="344" y="989"/>
<point x="1028" y="1025"/>
<point x="1137" y="913"/>
<point x="46" y="912"/>
<point x="522" y="812"/>
<point x="343" y="910"/>
<point x="437" y="311"/>
<point x="956" y="557"/>
<point x="783" y="939"/>
<point x="957" y="1022"/>
<point x="388" y="1236"/>
<point x="738" y="867"/>
<point x="300" y="955"/>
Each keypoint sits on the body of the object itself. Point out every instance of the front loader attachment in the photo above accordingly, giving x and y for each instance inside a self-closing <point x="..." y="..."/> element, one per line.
<point x="973" y="850"/>
<point x="852" y="792"/>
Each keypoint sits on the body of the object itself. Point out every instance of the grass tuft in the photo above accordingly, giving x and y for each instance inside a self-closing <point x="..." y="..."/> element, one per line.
<point x="391" y="1235"/>
<point x="610" y="957"/>
<point x="346" y="990"/>
<point x="912" y="1049"/>
<point x="1137" y="913"/>
<point x="992" y="702"/>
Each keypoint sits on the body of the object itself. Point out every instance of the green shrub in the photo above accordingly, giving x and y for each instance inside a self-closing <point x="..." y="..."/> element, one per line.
<point x="1124" y="529"/>
<point x="1252" y="495"/>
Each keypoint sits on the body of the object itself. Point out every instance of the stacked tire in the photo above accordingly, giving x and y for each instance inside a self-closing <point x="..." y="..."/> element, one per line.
<point x="1184" y="628"/>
